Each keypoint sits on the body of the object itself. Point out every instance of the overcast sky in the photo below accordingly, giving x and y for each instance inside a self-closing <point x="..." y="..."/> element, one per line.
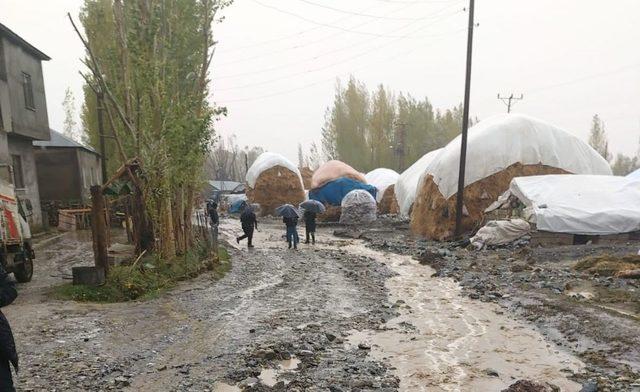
<point x="277" y="61"/>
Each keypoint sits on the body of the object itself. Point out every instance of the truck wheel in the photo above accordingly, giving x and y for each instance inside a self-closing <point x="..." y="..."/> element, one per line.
<point x="24" y="272"/>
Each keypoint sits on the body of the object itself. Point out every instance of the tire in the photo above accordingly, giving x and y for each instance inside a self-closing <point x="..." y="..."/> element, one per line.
<point x="24" y="272"/>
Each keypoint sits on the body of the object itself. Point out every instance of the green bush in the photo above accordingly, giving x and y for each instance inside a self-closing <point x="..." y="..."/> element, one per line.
<point x="148" y="278"/>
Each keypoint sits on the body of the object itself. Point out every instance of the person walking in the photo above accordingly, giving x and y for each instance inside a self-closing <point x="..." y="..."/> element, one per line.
<point x="310" y="226"/>
<point x="249" y="223"/>
<point x="292" y="231"/>
<point x="212" y="211"/>
<point x="8" y="353"/>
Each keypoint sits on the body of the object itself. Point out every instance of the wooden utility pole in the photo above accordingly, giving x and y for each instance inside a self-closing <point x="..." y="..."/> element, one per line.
<point x="99" y="229"/>
<point x="401" y="135"/>
<point x="103" y="155"/>
<point x="509" y="101"/>
<point x="465" y="125"/>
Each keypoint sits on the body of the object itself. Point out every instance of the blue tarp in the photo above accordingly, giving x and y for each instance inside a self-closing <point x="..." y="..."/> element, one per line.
<point x="334" y="191"/>
<point x="237" y="206"/>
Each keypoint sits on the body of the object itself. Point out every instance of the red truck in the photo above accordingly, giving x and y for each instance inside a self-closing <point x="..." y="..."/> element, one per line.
<point x="16" y="253"/>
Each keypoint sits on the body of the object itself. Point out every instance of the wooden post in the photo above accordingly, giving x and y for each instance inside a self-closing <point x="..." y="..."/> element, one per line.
<point x="99" y="229"/>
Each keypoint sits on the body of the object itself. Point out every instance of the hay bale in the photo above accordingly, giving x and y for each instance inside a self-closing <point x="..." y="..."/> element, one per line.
<point x="275" y="187"/>
<point x="332" y="214"/>
<point x="433" y="216"/>
<point x="358" y="207"/>
<point x="333" y="170"/>
<point x="306" y="174"/>
<point x="388" y="203"/>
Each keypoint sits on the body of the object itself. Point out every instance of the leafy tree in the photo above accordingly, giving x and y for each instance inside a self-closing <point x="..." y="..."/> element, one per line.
<point x="598" y="138"/>
<point x="150" y="59"/>
<point x="301" y="160"/>
<point x="70" y="123"/>
<point x="624" y="165"/>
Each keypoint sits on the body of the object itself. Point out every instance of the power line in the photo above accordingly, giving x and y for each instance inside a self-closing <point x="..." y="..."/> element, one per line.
<point x="325" y="24"/>
<point x="312" y="84"/>
<point x="315" y="57"/>
<point x="354" y="13"/>
<point x="320" y="68"/>
<point x="587" y="77"/>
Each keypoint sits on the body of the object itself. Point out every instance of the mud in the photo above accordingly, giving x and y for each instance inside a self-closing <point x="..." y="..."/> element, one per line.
<point x="339" y="316"/>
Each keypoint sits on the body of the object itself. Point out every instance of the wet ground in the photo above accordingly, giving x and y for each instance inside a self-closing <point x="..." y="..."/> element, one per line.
<point x="338" y="316"/>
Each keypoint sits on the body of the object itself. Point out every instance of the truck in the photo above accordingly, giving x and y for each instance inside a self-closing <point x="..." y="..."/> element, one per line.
<point x="16" y="252"/>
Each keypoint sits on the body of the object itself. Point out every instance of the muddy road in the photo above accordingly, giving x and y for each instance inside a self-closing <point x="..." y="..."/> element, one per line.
<point x="337" y="316"/>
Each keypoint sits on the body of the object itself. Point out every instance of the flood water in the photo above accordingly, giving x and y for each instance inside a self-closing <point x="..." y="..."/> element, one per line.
<point x="443" y="341"/>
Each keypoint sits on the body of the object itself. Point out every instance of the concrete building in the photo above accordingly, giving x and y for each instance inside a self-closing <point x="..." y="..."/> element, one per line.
<point x="66" y="170"/>
<point x="23" y="116"/>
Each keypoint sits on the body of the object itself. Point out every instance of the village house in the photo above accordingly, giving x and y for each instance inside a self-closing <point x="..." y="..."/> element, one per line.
<point x="66" y="170"/>
<point x="23" y="116"/>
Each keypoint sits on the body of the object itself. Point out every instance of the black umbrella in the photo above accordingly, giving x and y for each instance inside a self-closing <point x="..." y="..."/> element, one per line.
<point x="287" y="211"/>
<point x="313" y="206"/>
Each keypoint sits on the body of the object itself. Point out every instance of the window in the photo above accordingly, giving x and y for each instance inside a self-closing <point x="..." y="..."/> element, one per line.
<point x="3" y="65"/>
<point x="18" y="178"/>
<point x="27" y="89"/>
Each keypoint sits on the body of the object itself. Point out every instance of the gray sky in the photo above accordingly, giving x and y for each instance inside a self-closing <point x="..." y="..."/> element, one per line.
<point x="276" y="71"/>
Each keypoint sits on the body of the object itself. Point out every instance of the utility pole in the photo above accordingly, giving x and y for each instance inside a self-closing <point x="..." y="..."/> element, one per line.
<point x="508" y="100"/>
<point x="103" y="156"/>
<point x="465" y="125"/>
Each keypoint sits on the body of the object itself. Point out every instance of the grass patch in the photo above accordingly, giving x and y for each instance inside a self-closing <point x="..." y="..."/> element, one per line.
<point x="607" y="265"/>
<point x="149" y="278"/>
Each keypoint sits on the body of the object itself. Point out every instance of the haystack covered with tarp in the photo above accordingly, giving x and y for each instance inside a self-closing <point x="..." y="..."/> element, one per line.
<point x="499" y="149"/>
<point x="384" y="180"/>
<point x="407" y="183"/>
<point x="333" y="170"/>
<point x="272" y="181"/>
<point x="306" y="174"/>
<point x="358" y="207"/>
<point x="575" y="204"/>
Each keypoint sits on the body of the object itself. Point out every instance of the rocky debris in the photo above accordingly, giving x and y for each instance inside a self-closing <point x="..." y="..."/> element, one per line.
<point x="531" y="386"/>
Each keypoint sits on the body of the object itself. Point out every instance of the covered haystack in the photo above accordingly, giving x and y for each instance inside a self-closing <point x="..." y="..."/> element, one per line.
<point x="306" y="174"/>
<point x="333" y="170"/>
<point x="407" y="184"/>
<point x="358" y="207"/>
<point x="272" y="181"/>
<point x="332" y="192"/>
<point x="499" y="149"/>
<point x="383" y="179"/>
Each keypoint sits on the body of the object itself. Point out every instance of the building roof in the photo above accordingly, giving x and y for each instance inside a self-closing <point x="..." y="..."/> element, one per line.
<point x="5" y="31"/>
<point x="227" y="186"/>
<point x="59" y="140"/>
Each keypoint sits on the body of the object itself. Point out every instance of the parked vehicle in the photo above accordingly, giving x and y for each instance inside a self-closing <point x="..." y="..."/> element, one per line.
<point x="16" y="253"/>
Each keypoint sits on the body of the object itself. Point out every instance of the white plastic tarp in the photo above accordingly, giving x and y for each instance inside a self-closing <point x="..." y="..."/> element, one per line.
<point x="635" y="175"/>
<point x="580" y="204"/>
<point x="266" y="161"/>
<point x="358" y="207"/>
<point x="500" y="232"/>
<point x="407" y="183"/>
<point x="382" y="179"/>
<point x="502" y="140"/>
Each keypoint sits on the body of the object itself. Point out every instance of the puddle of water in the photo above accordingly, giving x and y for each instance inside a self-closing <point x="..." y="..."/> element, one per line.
<point x="269" y="376"/>
<point x="443" y="341"/>
<point x="222" y="387"/>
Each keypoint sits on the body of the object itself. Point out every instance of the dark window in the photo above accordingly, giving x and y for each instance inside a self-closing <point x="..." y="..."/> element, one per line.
<point x="3" y="65"/>
<point x="18" y="178"/>
<point x="27" y="88"/>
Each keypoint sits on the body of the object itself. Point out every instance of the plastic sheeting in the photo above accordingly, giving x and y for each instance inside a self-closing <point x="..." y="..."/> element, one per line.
<point x="382" y="179"/>
<point x="407" y="183"/>
<point x="635" y="175"/>
<point x="500" y="232"/>
<point x="334" y="191"/>
<point x="500" y="141"/>
<point x="358" y="207"/>
<point x="333" y="170"/>
<point x="266" y="161"/>
<point x="580" y="204"/>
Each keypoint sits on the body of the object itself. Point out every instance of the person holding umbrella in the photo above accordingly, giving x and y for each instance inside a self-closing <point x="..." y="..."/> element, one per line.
<point x="290" y="216"/>
<point x="249" y="222"/>
<point x="311" y="208"/>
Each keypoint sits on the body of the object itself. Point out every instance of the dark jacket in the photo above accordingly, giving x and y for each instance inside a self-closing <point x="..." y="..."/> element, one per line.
<point x="8" y="293"/>
<point x="213" y="214"/>
<point x="290" y="222"/>
<point x="248" y="219"/>
<point x="310" y="221"/>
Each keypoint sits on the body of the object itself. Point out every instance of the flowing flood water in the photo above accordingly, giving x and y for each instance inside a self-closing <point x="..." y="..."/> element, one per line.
<point x="443" y="341"/>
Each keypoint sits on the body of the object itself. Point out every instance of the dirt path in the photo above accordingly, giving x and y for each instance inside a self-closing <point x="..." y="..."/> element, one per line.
<point x="336" y="317"/>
